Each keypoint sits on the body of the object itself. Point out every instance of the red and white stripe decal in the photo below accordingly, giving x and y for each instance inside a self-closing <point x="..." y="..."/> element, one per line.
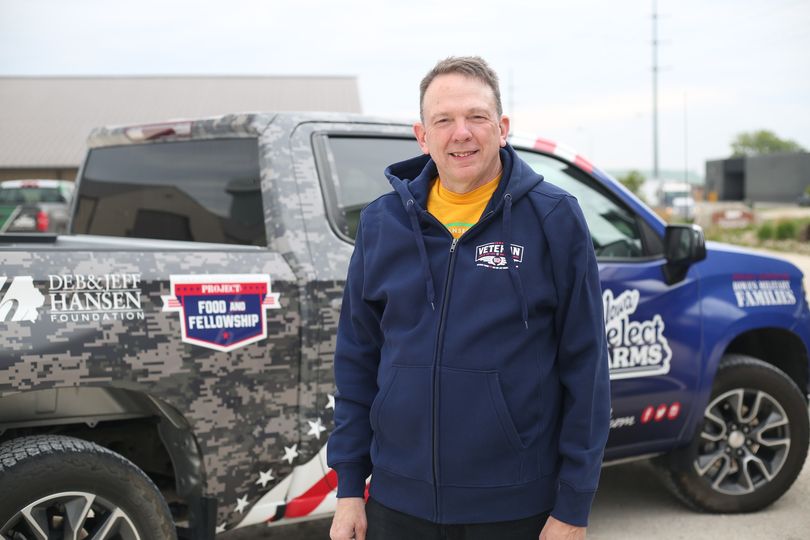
<point x="308" y="501"/>
<point x="545" y="145"/>
<point x="305" y="492"/>
<point x="583" y="164"/>
<point x="551" y="147"/>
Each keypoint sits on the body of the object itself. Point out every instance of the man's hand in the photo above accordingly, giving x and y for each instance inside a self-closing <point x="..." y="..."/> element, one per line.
<point x="557" y="530"/>
<point x="350" y="519"/>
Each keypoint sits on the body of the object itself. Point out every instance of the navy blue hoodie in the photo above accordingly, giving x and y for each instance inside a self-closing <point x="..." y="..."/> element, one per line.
<point x="472" y="379"/>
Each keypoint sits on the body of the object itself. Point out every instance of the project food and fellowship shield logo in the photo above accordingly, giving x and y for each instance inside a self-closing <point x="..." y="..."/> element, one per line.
<point x="223" y="311"/>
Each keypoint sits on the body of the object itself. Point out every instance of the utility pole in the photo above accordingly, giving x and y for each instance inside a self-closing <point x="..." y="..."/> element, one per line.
<point x="655" y="88"/>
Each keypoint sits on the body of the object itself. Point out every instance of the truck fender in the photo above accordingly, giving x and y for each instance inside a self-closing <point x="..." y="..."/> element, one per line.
<point x="751" y="322"/>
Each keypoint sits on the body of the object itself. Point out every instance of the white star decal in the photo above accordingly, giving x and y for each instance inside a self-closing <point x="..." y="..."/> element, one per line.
<point x="315" y="428"/>
<point x="241" y="504"/>
<point x="290" y="453"/>
<point x="265" y="477"/>
<point x="220" y="529"/>
<point x="331" y="403"/>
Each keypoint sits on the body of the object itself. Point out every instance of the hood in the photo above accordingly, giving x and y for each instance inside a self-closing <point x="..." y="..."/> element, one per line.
<point x="738" y="259"/>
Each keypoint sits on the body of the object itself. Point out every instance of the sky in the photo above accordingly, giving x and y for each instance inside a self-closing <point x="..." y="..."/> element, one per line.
<point x="577" y="72"/>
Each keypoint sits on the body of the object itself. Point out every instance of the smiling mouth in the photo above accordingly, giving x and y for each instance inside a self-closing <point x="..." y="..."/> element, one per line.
<point x="463" y="154"/>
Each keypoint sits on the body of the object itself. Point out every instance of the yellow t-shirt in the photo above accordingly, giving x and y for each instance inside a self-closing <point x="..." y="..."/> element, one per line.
<point x="459" y="211"/>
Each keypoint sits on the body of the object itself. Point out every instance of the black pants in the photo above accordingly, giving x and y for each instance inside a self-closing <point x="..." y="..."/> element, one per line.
<point x="387" y="524"/>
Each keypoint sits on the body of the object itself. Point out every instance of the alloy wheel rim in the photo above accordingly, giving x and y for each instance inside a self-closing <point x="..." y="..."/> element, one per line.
<point x="73" y="515"/>
<point x="744" y="442"/>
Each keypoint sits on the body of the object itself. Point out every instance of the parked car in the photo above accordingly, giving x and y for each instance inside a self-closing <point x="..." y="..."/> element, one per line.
<point x="35" y="205"/>
<point x="170" y="360"/>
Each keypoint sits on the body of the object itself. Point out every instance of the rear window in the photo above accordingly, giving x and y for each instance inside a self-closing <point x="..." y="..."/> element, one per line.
<point x="202" y="191"/>
<point x="31" y="195"/>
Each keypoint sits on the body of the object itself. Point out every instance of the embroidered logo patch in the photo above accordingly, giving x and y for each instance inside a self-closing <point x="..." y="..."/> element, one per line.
<point x="221" y="312"/>
<point x="492" y="255"/>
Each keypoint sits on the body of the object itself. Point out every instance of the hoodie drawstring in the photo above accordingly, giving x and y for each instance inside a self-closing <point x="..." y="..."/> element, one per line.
<point x="514" y="276"/>
<point x="420" y="245"/>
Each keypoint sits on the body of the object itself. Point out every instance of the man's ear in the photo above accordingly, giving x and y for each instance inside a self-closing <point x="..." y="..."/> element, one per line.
<point x="421" y="136"/>
<point x="504" y="126"/>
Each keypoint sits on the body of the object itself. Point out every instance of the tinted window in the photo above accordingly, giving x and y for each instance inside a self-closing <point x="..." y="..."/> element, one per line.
<point x="203" y="191"/>
<point x="355" y="174"/>
<point x="614" y="229"/>
<point x="31" y="195"/>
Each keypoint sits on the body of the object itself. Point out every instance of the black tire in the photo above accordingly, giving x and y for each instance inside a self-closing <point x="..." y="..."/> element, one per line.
<point x="745" y="465"/>
<point x="65" y="475"/>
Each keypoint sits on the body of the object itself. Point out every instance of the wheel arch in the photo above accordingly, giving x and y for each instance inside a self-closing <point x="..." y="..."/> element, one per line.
<point x="103" y="415"/>
<point x="779" y="347"/>
<point x="775" y="345"/>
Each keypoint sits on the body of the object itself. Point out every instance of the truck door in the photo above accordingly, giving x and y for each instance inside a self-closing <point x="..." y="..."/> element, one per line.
<point x="653" y="329"/>
<point x="338" y="171"/>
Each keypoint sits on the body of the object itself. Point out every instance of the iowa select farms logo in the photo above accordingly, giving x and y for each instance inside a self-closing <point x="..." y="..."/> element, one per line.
<point x="637" y="348"/>
<point x="221" y="312"/>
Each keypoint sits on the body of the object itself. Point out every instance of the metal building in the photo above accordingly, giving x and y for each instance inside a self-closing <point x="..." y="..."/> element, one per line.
<point x="771" y="178"/>
<point x="44" y="121"/>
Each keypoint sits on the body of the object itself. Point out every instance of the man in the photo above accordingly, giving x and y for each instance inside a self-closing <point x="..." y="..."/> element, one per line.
<point x="471" y="362"/>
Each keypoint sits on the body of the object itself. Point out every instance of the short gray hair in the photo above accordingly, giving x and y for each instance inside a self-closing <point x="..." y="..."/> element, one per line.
<point x="470" y="66"/>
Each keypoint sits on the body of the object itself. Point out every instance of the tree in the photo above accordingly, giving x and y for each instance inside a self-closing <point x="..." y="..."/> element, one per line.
<point x="632" y="181"/>
<point x="759" y="143"/>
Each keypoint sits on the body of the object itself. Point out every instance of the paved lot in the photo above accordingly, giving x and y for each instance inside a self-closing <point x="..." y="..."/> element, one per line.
<point x="633" y="504"/>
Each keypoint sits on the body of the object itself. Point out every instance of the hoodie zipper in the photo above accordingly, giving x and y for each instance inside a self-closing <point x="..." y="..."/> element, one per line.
<point x="437" y="362"/>
<point x="438" y="357"/>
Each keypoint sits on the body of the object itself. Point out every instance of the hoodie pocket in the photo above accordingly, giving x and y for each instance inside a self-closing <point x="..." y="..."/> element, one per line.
<point x="401" y="420"/>
<point x="478" y="442"/>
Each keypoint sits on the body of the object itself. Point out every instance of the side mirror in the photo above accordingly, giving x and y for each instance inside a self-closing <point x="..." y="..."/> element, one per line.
<point x="683" y="246"/>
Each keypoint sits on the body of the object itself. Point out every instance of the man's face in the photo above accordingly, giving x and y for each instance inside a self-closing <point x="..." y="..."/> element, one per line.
<point x="461" y="131"/>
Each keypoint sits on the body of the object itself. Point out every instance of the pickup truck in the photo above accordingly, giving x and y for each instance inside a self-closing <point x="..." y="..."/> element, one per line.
<point x="166" y="367"/>
<point x="34" y="205"/>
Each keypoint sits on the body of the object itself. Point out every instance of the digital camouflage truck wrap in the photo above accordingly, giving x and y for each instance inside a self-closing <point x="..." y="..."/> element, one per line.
<point x="166" y="368"/>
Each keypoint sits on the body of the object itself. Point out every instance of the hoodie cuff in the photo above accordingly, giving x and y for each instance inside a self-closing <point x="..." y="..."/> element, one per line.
<point x="351" y="479"/>
<point x="573" y="507"/>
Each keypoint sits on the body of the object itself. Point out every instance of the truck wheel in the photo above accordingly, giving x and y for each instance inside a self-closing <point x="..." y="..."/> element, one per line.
<point x="751" y="444"/>
<point x="56" y="486"/>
